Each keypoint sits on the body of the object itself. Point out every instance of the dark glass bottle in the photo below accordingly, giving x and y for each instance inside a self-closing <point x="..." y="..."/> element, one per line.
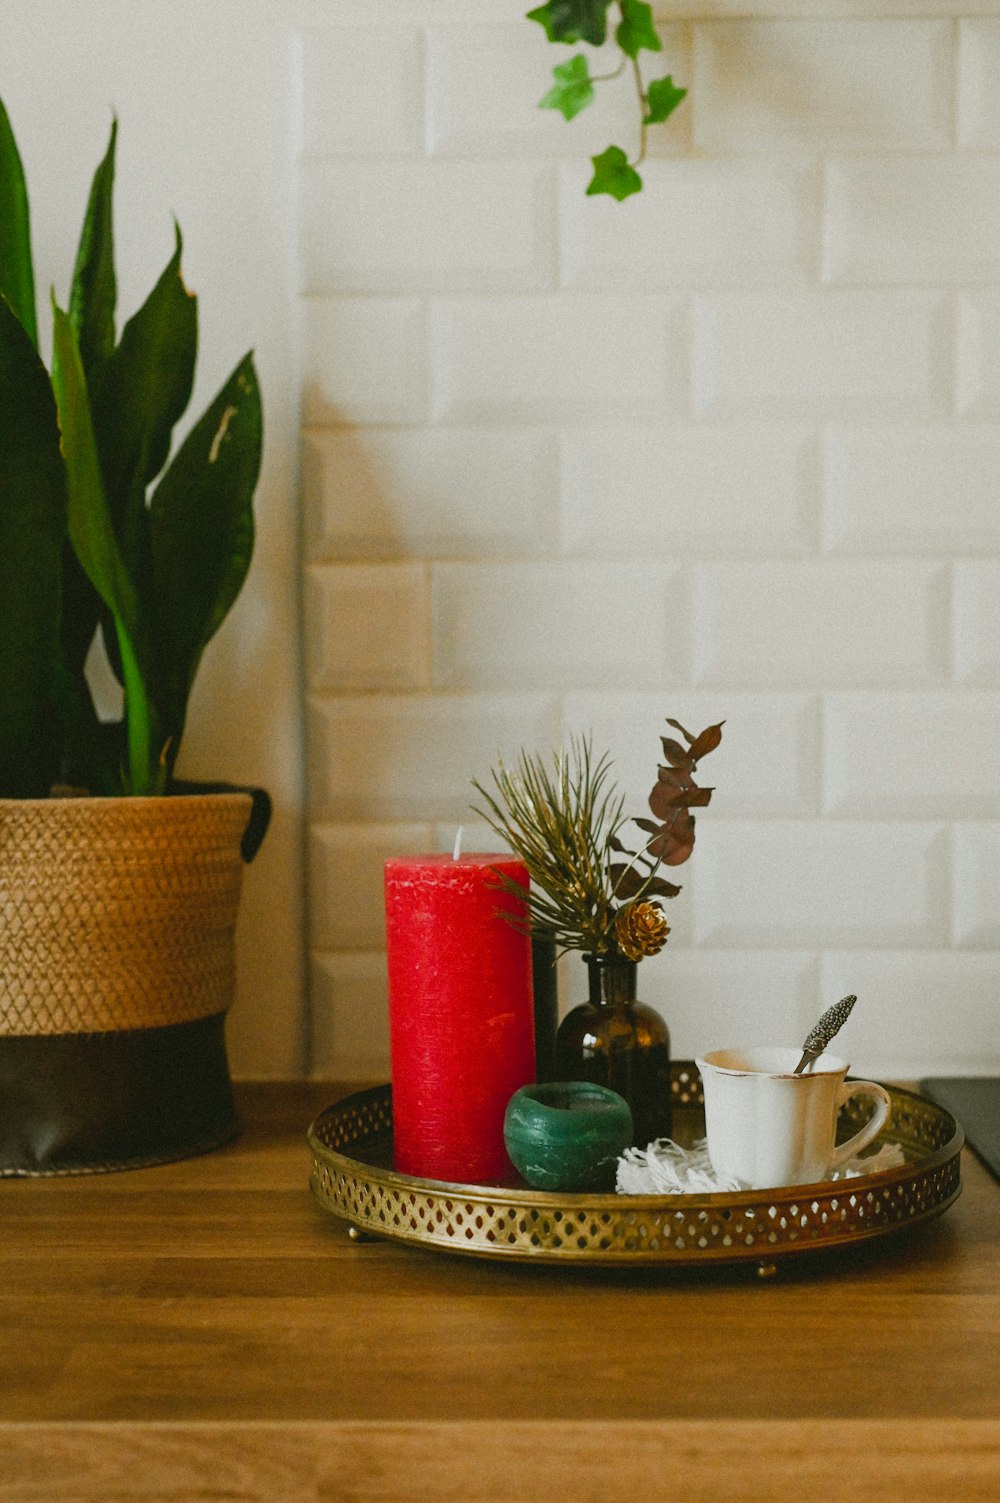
<point x="543" y="971"/>
<point x="616" y="1041"/>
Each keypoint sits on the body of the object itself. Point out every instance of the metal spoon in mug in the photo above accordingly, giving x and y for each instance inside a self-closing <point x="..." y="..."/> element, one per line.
<point x="829" y="1024"/>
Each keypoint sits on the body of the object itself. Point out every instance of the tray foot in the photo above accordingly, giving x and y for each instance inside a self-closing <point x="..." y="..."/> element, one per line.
<point x="766" y="1270"/>
<point x="358" y="1234"/>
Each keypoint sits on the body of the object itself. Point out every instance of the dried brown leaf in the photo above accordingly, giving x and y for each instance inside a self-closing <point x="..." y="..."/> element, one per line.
<point x="707" y="741"/>
<point x="676" y="754"/>
<point x="678" y="727"/>
<point x="665" y="801"/>
<point x="626" y="881"/>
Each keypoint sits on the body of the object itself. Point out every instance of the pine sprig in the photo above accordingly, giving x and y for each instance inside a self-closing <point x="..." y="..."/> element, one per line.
<point x="559" y="820"/>
<point x="564" y="821"/>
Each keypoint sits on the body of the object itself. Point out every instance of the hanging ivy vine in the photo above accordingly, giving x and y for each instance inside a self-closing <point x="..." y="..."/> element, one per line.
<point x="570" y="21"/>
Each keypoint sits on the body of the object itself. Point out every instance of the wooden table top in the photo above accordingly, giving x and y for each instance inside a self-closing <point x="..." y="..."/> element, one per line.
<point x="204" y="1331"/>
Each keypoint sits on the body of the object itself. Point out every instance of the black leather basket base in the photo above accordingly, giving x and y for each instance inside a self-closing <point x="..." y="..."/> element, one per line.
<point x="86" y="1103"/>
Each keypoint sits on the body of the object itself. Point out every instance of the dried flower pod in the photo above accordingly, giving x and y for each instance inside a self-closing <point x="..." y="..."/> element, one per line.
<point x="641" y="929"/>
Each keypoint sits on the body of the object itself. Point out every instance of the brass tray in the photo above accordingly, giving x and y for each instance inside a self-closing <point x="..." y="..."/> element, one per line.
<point x="352" y="1176"/>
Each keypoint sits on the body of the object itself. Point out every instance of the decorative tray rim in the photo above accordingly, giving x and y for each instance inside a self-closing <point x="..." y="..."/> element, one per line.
<point x="356" y="1195"/>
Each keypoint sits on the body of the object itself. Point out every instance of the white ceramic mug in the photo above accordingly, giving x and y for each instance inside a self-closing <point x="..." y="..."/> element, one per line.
<point x="768" y="1127"/>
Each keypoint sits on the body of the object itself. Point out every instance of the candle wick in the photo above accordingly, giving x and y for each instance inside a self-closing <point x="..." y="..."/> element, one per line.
<point x="458" y="845"/>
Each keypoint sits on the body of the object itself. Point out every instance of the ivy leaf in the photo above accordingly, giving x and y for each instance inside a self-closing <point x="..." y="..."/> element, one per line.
<point x="614" y="175"/>
<point x="636" y="32"/>
<point x="573" y="20"/>
<point x="573" y="89"/>
<point x="662" y="98"/>
<point x="543" y="15"/>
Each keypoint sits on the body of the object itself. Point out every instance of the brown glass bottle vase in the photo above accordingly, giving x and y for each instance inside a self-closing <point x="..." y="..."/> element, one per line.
<point x="616" y="1041"/>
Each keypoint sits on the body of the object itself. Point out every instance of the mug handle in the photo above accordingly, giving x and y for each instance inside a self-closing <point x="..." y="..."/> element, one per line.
<point x="872" y="1128"/>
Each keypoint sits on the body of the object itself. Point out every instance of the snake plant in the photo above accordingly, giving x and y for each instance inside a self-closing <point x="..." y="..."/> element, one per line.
<point x="102" y="529"/>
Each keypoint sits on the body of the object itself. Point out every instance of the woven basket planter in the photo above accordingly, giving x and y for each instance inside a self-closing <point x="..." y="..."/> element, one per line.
<point x="117" y="921"/>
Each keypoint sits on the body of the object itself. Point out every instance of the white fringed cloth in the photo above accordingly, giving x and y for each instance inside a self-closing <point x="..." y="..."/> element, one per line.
<point x="664" y="1168"/>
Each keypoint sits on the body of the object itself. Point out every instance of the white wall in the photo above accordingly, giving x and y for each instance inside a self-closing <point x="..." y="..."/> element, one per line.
<point x="204" y="95"/>
<point x="728" y="449"/>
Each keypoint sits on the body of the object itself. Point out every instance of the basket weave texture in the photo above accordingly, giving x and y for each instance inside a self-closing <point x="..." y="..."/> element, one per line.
<point x="117" y="913"/>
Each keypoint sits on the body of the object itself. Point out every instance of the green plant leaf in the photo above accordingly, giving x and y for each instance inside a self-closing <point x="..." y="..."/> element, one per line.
<point x="94" y="290"/>
<point x="573" y="89"/>
<point x="141" y="392"/>
<point x="145" y="388"/>
<point x="543" y="15"/>
<point x="94" y="543"/>
<point x="614" y="175"/>
<point x="93" y="295"/>
<point x="636" y="32"/>
<point x="17" y="280"/>
<point x="662" y="98"/>
<point x="92" y="752"/>
<point x="90" y="529"/>
<point x="81" y="611"/>
<point x="573" y="20"/>
<point x="202" y="532"/>
<point x="32" y="529"/>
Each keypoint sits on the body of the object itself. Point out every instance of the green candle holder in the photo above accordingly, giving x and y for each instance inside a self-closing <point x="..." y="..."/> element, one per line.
<point x="567" y="1135"/>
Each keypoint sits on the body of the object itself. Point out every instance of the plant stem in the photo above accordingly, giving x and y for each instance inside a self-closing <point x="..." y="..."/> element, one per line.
<point x="642" y="112"/>
<point x="604" y="77"/>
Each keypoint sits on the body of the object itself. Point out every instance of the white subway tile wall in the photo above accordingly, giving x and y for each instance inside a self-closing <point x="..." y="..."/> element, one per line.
<point x="728" y="450"/>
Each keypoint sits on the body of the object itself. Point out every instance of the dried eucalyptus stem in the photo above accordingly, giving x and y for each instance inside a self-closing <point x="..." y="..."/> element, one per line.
<point x="564" y="821"/>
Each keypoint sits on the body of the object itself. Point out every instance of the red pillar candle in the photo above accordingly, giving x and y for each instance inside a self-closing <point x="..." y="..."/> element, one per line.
<point x="460" y="1013"/>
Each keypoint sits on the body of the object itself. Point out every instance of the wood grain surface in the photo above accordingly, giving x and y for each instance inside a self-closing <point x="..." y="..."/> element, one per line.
<point x="204" y="1331"/>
